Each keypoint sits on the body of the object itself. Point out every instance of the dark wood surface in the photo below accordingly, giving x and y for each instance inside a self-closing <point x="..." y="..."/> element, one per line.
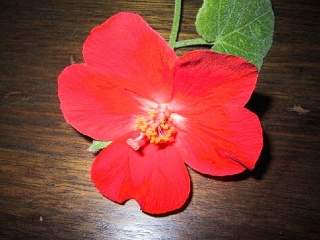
<point x="45" y="189"/>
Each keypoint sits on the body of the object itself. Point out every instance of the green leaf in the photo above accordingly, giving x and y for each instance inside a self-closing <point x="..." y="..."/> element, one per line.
<point x="238" y="27"/>
<point x="96" y="146"/>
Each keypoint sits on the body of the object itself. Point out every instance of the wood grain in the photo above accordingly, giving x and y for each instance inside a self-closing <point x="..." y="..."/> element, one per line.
<point x="45" y="189"/>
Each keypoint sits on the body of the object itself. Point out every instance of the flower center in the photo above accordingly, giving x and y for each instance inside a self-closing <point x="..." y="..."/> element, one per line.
<point x="155" y="127"/>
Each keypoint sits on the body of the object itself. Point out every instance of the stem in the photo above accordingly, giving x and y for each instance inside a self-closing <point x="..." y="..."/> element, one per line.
<point x="191" y="42"/>
<point x="175" y="24"/>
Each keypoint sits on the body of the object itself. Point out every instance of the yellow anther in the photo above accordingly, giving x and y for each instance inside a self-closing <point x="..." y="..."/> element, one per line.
<point x="164" y="126"/>
<point x="153" y="140"/>
<point x="164" y="139"/>
<point x="141" y="124"/>
<point x="152" y="113"/>
<point x="156" y="127"/>
<point x="151" y="132"/>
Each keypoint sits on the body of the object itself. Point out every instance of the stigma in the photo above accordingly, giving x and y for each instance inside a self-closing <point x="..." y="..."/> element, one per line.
<point x="154" y="127"/>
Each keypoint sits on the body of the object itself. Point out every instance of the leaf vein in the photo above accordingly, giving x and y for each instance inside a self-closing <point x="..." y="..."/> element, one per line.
<point x="239" y="49"/>
<point x="244" y="26"/>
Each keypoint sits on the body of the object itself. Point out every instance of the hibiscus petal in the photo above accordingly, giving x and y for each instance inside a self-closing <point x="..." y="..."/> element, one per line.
<point x="93" y="105"/>
<point x="204" y="79"/>
<point x="127" y="46"/>
<point x="221" y="142"/>
<point x="156" y="178"/>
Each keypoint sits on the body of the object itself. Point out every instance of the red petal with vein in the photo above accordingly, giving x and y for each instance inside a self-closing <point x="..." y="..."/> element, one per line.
<point x="204" y="79"/>
<point x="93" y="105"/>
<point x="221" y="142"/>
<point x="125" y="45"/>
<point x="156" y="178"/>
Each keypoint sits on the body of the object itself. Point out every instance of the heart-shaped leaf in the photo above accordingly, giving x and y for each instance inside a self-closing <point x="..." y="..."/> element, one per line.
<point x="238" y="27"/>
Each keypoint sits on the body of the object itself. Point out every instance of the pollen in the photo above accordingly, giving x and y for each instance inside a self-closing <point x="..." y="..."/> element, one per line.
<point x="155" y="127"/>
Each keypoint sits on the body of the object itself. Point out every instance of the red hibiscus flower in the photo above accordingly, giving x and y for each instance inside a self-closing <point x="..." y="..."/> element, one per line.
<point x="161" y="111"/>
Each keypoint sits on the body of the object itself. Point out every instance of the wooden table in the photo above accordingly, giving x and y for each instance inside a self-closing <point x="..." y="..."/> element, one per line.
<point x="45" y="189"/>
